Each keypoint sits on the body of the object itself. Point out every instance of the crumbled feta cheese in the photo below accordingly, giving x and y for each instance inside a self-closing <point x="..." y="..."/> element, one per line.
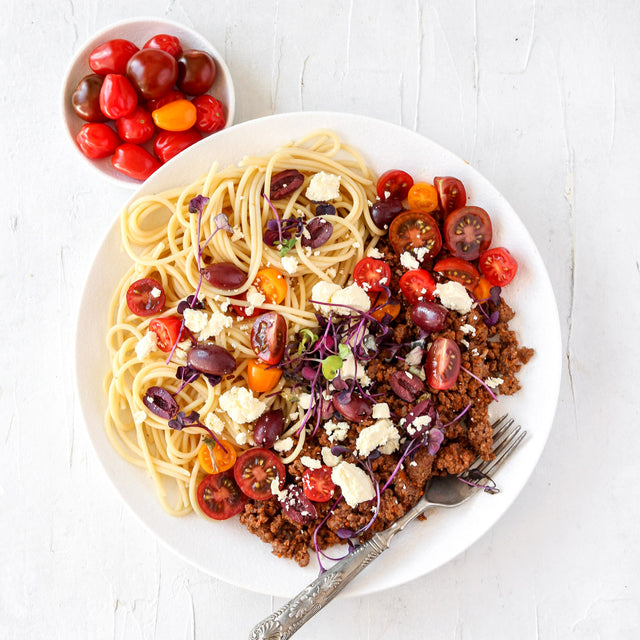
<point x="217" y="322"/>
<point x="139" y="417"/>
<point x="241" y="438"/>
<point x="275" y="489"/>
<point x="379" y="434"/>
<point x="322" y="292"/>
<point x="195" y="320"/>
<point x="323" y="186"/>
<point x="255" y="299"/>
<point x="417" y="424"/>
<point x="454" y="296"/>
<point x="289" y="264"/>
<point x="237" y="234"/>
<point x="380" y="410"/>
<point x="146" y="345"/>
<point x="241" y="405"/>
<point x="464" y="343"/>
<point x="304" y="401"/>
<point x="468" y="328"/>
<point x="408" y="261"/>
<point x="493" y="382"/>
<point x="155" y="292"/>
<point x="374" y="252"/>
<point x="355" y="484"/>
<point x="312" y="463"/>
<point x="213" y="422"/>
<point x="356" y="245"/>
<point x="336" y="431"/>
<point x="328" y="458"/>
<point x="224" y="306"/>
<point x="475" y="352"/>
<point x="352" y="296"/>
<point x="421" y="252"/>
<point x="286" y="444"/>
<point x="350" y="369"/>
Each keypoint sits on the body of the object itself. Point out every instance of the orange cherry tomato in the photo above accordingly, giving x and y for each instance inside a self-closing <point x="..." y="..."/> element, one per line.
<point x="262" y="376"/>
<point x="423" y="197"/>
<point x="482" y="290"/>
<point x="178" y="115"/>
<point x="381" y="299"/>
<point x="222" y="460"/>
<point x="272" y="284"/>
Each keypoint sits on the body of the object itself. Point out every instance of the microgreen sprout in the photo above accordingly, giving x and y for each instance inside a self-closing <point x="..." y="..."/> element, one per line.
<point x="182" y="421"/>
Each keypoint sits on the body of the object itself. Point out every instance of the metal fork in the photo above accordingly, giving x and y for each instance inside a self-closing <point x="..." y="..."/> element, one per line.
<point x="441" y="491"/>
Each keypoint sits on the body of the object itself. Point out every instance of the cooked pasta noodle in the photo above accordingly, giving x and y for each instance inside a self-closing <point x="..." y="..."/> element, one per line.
<point x="164" y="239"/>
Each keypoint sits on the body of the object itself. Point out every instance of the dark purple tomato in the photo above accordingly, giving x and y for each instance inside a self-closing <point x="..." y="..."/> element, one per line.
<point x="196" y="72"/>
<point x="85" y="100"/>
<point x="269" y="337"/>
<point x="153" y="72"/>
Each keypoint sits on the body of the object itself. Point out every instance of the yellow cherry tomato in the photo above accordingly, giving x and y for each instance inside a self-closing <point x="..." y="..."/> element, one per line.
<point x="272" y="284"/>
<point x="262" y="376"/>
<point x="423" y="197"/>
<point x="482" y="290"/>
<point x="178" y="115"/>
<point x="223" y="459"/>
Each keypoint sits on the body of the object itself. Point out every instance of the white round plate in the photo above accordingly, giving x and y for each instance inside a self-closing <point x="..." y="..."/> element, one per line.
<point x="138" y="31"/>
<point x="424" y="546"/>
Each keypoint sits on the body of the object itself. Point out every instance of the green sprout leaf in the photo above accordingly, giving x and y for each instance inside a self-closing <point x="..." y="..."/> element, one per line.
<point x="330" y="366"/>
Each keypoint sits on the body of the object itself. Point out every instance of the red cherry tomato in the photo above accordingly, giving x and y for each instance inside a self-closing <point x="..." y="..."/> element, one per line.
<point x="219" y="496"/>
<point x="317" y="484"/>
<point x="443" y="364"/>
<point x="467" y="232"/>
<point x="167" y="43"/>
<point x="112" y="56"/>
<point x="85" y="100"/>
<point x="153" y="72"/>
<point x="118" y="98"/>
<point x="255" y="470"/>
<point x="459" y="270"/>
<point x="196" y="72"/>
<point x="145" y="297"/>
<point x="167" y="331"/>
<point x="269" y="337"/>
<point x="137" y="127"/>
<point x="451" y="194"/>
<point x="97" y="140"/>
<point x="168" y="97"/>
<point x="134" y="161"/>
<point x="170" y="143"/>
<point x="498" y="266"/>
<point x="242" y="311"/>
<point x="394" y="184"/>
<point x="210" y="112"/>
<point x="372" y="275"/>
<point x="413" y="230"/>
<point x="417" y="286"/>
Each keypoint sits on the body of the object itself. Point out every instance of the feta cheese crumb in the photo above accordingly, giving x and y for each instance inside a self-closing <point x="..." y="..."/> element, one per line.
<point x="355" y="484"/>
<point x="237" y="234"/>
<point x="286" y="444"/>
<point x="322" y="292"/>
<point x="323" y="186"/>
<point x="217" y="322"/>
<point x="417" y="424"/>
<point x="454" y="296"/>
<point x="289" y="264"/>
<point x="275" y="489"/>
<point x="155" y="292"/>
<point x="241" y="438"/>
<point x="146" y="345"/>
<point x="311" y="463"/>
<point x="328" y="458"/>
<point x="352" y="296"/>
<point x="195" y="320"/>
<point x="304" y="401"/>
<point x="374" y="252"/>
<point x="379" y="434"/>
<point x="139" y="417"/>
<point x="380" y="410"/>
<point x="421" y="252"/>
<point x="468" y="328"/>
<point x="213" y="422"/>
<point x="493" y="382"/>
<point x="254" y="298"/>
<point x="241" y="406"/>
<point x="408" y="261"/>
<point x="336" y="432"/>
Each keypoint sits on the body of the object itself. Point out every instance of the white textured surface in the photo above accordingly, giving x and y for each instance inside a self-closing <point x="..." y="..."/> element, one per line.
<point x="542" y="97"/>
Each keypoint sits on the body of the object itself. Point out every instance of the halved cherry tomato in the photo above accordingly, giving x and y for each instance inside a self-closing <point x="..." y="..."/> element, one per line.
<point x="385" y="306"/>
<point x="211" y="116"/>
<point x="482" y="290"/>
<point x="117" y="96"/>
<point x="145" y="297"/>
<point x="168" y="97"/>
<point x="498" y="266"/>
<point x="269" y="337"/>
<point x="112" y="56"/>
<point x="394" y="183"/>
<point x="459" y="270"/>
<point x="219" y="496"/>
<point x="272" y="284"/>
<point x="137" y="127"/>
<point x="443" y="364"/>
<point x="262" y="377"/>
<point x="167" y="43"/>
<point x="317" y="484"/>
<point x="417" y="286"/>
<point x="242" y="311"/>
<point x="170" y="143"/>
<point x="412" y="230"/>
<point x="97" y="140"/>
<point x="167" y="330"/>
<point x="255" y="470"/>
<point x="467" y="232"/>
<point x="178" y="115"/>
<point x="134" y="161"/>
<point x="423" y="197"/>
<point x="372" y="275"/>
<point x="451" y="194"/>
<point x="224" y="455"/>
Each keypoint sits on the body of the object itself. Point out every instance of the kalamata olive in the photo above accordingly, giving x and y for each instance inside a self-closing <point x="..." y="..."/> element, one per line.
<point x="211" y="358"/>
<point x="296" y="506"/>
<point x="384" y="211"/>
<point x="224" y="275"/>
<point x="325" y="209"/>
<point x="85" y="100"/>
<point x="424" y="409"/>
<point x="355" y="408"/>
<point x="406" y="386"/>
<point x="269" y="337"/>
<point x="159" y="401"/>
<point x="429" y="316"/>
<point x="285" y="183"/>
<point x="316" y="233"/>
<point x="269" y="428"/>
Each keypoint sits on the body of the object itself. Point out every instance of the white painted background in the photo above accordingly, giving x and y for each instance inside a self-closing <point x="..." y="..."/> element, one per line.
<point x="543" y="97"/>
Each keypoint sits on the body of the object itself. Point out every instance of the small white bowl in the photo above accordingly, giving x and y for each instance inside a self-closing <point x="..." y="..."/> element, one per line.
<point x="138" y="31"/>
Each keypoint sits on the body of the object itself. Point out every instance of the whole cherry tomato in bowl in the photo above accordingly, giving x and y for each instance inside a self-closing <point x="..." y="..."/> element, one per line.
<point x="153" y="72"/>
<point x="97" y="140"/>
<point x="210" y="114"/>
<point x="166" y="42"/>
<point x="134" y="161"/>
<point x="137" y="127"/>
<point x="170" y="143"/>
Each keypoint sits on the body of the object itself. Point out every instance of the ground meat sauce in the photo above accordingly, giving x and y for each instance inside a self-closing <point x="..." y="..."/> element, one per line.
<point x="488" y="352"/>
